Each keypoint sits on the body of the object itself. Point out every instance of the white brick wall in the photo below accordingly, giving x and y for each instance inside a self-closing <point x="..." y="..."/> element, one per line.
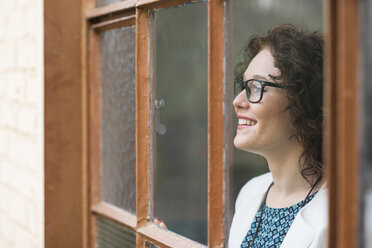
<point x="21" y="124"/>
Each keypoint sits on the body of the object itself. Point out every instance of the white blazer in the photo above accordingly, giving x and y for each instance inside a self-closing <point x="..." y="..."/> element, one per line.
<point x="308" y="229"/>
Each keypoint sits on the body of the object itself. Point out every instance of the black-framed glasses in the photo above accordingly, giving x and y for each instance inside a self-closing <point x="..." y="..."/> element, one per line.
<point x="254" y="88"/>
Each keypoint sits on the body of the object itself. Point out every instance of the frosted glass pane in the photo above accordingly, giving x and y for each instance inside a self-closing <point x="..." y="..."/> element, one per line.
<point x="118" y="160"/>
<point x="100" y="3"/>
<point x="366" y="126"/>
<point x="257" y="17"/>
<point x="113" y="235"/>
<point x="181" y="81"/>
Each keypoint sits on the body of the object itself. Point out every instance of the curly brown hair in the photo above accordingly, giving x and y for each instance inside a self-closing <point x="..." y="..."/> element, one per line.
<point x="298" y="54"/>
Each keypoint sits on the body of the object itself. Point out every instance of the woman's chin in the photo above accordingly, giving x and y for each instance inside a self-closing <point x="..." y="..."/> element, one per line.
<point x="243" y="145"/>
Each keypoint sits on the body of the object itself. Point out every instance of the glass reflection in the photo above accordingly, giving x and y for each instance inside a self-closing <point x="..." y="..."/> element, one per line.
<point x="256" y="17"/>
<point x="181" y="141"/>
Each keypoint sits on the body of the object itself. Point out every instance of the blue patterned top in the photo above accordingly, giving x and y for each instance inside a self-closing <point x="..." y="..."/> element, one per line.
<point x="274" y="226"/>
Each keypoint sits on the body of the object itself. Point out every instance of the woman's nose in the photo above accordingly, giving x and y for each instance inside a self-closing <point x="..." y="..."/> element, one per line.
<point x="241" y="100"/>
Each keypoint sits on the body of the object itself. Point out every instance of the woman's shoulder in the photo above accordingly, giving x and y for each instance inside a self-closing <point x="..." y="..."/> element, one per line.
<point x="255" y="187"/>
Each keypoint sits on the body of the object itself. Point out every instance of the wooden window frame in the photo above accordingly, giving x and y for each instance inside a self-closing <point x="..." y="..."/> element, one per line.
<point x="114" y="16"/>
<point x="97" y="23"/>
<point x="341" y="151"/>
<point x="216" y="134"/>
<point x="71" y="122"/>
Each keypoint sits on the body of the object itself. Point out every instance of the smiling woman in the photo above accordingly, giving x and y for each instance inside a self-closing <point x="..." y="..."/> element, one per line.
<point x="280" y="117"/>
<point x="269" y="120"/>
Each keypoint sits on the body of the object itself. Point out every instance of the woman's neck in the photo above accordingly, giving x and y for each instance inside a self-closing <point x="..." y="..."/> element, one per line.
<point x="289" y="187"/>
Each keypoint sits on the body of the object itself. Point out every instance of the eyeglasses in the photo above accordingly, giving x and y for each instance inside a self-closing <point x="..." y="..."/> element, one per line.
<point x="254" y="88"/>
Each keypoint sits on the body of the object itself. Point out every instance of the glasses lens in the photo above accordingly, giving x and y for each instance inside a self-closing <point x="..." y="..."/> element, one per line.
<point x="254" y="88"/>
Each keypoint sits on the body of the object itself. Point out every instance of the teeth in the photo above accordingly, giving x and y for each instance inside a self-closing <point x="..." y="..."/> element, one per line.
<point x="246" y="122"/>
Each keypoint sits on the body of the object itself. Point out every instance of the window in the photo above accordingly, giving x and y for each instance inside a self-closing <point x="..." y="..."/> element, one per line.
<point x="104" y="66"/>
<point x="112" y="125"/>
<point x="166" y="121"/>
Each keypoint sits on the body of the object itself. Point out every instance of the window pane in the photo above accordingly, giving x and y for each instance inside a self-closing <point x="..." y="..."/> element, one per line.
<point x="366" y="125"/>
<point x="257" y="17"/>
<point x="118" y="160"/>
<point x="181" y="151"/>
<point x="113" y="235"/>
<point x="100" y="3"/>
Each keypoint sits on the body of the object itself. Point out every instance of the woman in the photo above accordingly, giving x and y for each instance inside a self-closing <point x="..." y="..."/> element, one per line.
<point x="279" y="108"/>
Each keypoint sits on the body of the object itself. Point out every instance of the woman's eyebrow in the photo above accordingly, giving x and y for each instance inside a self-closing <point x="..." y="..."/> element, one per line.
<point x="256" y="76"/>
<point x="260" y="77"/>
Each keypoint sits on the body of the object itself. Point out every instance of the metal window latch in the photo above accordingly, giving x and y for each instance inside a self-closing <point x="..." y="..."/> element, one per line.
<point x="149" y="244"/>
<point x="161" y="129"/>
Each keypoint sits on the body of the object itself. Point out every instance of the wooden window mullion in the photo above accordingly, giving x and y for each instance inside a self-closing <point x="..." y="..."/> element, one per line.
<point x="142" y="117"/>
<point x="216" y="129"/>
<point x="341" y="130"/>
<point x="94" y="130"/>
